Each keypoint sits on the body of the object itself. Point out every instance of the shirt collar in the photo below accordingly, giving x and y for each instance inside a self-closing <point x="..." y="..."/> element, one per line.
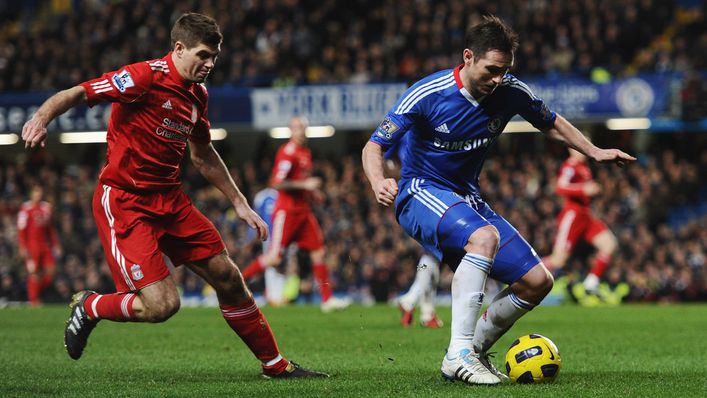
<point x="463" y="90"/>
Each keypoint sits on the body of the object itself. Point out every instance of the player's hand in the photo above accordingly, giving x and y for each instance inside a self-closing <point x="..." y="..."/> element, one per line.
<point x="385" y="191"/>
<point x="613" y="155"/>
<point x="312" y="183"/>
<point x="591" y="188"/>
<point x="253" y="219"/>
<point x="34" y="132"/>
<point x="58" y="252"/>
<point x="22" y="252"/>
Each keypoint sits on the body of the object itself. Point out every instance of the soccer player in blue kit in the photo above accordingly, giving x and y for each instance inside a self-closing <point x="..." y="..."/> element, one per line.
<point x="450" y="119"/>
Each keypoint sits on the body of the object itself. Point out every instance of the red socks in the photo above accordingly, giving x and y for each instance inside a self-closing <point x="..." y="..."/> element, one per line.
<point x="321" y="274"/>
<point x="33" y="289"/>
<point x="254" y="268"/>
<point x="601" y="263"/>
<point x="46" y="281"/>
<point x="252" y="327"/>
<point x="115" y="307"/>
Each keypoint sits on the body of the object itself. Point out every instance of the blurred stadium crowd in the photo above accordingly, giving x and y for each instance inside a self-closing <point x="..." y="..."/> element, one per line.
<point x="54" y="44"/>
<point x="651" y="206"/>
<point x="656" y="208"/>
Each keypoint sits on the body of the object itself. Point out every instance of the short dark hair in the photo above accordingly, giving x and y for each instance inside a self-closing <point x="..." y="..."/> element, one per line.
<point x="491" y="34"/>
<point x="193" y="28"/>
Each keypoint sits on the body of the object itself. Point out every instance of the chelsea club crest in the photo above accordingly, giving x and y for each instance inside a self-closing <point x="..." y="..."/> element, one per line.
<point x="494" y="125"/>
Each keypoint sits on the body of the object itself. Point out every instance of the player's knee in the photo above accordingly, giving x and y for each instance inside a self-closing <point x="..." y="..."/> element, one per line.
<point x="163" y="309"/>
<point x="545" y="285"/>
<point x="535" y="285"/>
<point x="610" y="246"/>
<point x="228" y="281"/>
<point x="484" y="241"/>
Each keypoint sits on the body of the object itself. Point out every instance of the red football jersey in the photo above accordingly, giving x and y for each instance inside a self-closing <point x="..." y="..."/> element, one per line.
<point x="155" y="112"/>
<point x="294" y="163"/>
<point x="35" y="229"/>
<point x="570" y="183"/>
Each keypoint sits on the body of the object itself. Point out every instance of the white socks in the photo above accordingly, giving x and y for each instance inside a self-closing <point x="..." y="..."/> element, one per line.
<point x="424" y="288"/>
<point x="429" y="265"/>
<point x="591" y="283"/>
<point x="467" y="296"/>
<point x="505" y="309"/>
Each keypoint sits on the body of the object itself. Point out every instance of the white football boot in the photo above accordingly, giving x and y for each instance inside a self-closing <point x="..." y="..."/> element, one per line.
<point x="467" y="367"/>
<point x="334" y="304"/>
<point x="484" y="359"/>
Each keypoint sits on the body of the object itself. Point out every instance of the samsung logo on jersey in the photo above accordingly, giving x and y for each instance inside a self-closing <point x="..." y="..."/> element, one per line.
<point x="465" y="145"/>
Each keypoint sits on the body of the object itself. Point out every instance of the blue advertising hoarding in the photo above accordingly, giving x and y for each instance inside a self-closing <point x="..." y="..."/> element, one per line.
<point x="363" y="106"/>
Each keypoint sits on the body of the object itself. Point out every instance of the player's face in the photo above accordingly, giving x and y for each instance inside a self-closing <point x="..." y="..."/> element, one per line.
<point x="36" y="194"/>
<point x="197" y="61"/>
<point x="486" y="72"/>
<point x="298" y="128"/>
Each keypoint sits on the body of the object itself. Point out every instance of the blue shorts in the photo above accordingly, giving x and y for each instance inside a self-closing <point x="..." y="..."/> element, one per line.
<point x="442" y="221"/>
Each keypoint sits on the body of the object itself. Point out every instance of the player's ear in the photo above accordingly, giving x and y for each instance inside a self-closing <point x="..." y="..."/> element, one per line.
<point x="179" y="48"/>
<point x="468" y="56"/>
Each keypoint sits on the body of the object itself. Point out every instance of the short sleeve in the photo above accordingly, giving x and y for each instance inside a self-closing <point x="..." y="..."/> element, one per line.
<point x="530" y="107"/>
<point x="127" y="84"/>
<point x="392" y="128"/>
<point x="284" y="161"/>
<point x="202" y="128"/>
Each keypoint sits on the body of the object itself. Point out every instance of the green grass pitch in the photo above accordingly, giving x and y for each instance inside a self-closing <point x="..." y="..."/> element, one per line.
<point x="627" y="351"/>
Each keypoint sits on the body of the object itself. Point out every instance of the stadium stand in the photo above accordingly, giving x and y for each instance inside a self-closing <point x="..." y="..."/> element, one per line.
<point x="271" y="43"/>
<point x="656" y="207"/>
<point x="661" y="256"/>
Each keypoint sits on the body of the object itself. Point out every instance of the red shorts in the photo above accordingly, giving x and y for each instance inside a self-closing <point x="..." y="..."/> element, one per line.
<point x="136" y="229"/>
<point x="574" y="224"/>
<point x="39" y="259"/>
<point x="295" y="226"/>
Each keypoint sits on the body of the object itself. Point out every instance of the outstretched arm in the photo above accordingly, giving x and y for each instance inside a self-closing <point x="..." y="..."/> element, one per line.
<point x="564" y="131"/>
<point x="384" y="188"/>
<point x="34" y="132"/>
<point x="211" y="166"/>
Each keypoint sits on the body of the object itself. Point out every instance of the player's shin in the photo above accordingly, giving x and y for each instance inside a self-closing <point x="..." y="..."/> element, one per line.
<point x="251" y="326"/>
<point x="505" y="309"/>
<point x="321" y="274"/>
<point x="115" y="307"/>
<point x="429" y="293"/>
<point x="467" y="296"/>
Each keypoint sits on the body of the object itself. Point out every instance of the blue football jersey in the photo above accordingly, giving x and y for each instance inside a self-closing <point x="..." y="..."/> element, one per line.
<point x="264" y="205"/>
<point x="447" y="133"/>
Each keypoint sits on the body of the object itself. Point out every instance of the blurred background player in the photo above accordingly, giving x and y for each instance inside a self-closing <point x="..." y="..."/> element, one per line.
<point x="159" y="110"/>
<point x="293" y="219"/>
<point x="423" y="291"/>
<point x="576" y="221"/>
<point x="451" y="119"/>
<point x="38" y="243"/>
<point x="267" y="263"/>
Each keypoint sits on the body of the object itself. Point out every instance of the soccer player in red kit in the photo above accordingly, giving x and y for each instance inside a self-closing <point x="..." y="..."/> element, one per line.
<point x="576" y="222"/>
<point x="293" y="220"/>
<point x="160" y="109"/>
<point x="38" y="243"/>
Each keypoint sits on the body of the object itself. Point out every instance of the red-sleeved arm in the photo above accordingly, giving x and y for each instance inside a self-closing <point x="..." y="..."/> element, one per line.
<point x="22" y="221"/>
<point x="201" y="133"/>
<point x="127" y="84"/>
<point x="566" y="187"/>
<point x="282" y="167"/>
